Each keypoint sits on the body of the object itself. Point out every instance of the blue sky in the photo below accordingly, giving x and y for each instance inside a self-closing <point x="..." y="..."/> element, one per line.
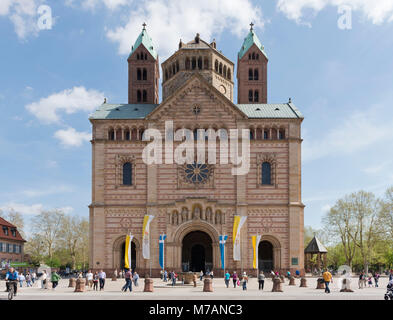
<point x="51" y="80"/>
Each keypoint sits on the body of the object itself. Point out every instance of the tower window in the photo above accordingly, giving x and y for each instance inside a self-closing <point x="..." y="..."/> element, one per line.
<point x="138" y="74"/>
<point x="281" y="135"/>
<point x="216" y="66"/>
<point x="139" y="96"/>
<point x="144" y="74"/>
<point x="177" y="66"/>
<point x="200" y="63"/>
<point x="220" y="69"/>
<point x="229" y="74"/>
<point x="265" y="134"/>
<point x="266" y="173"/>
<point x="250" y="75"/>
<point x="256" y="96"/>
<point x="127" y="174"/>
<point x="193" y="63"/>
<point x="250" y="96"/>
<point x="111" y="135"/>
<point x="144" y="96"/>
<point x="256" y="74"/>
<point x="206" y="63"/>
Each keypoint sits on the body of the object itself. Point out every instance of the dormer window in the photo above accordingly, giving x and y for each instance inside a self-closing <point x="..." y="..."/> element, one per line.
<point x="13" y="232"/>
<point x="5" y="230"/>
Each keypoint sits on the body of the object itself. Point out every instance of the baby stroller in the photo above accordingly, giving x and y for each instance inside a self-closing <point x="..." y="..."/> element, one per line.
<point x="389" y="292"/>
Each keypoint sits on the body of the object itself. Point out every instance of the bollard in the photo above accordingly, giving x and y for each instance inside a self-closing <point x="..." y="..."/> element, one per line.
<point x="303" y="283"/>
<point x="71" y="284"/>
<point x="282" y="279"/>
<point x="148" y="285"/>
<point x="194" y="280"/>
<point x="80" y="285"/>
<point x="320" y="283"/>
<point x="207" y="285"/>
<point x="114" y="278"/>
<point x="277" y="285"/>
<point x="292" y="281"/>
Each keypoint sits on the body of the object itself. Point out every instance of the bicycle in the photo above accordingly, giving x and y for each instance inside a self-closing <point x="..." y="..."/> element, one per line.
<point x="11" y="288"/>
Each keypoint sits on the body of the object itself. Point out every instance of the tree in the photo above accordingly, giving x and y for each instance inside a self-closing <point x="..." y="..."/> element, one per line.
<point x="386" y="214"/>
<point x="35" y="247"/>
<point x="48" y="225"/>
<point x="14" y="218"/>
<point x="72" y="235"/>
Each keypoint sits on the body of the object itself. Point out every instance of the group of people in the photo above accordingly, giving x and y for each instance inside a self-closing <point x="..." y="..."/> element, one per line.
<point x="367" y="279"/>
<point x="131" y="278"/>
<point x="237" y="280"/>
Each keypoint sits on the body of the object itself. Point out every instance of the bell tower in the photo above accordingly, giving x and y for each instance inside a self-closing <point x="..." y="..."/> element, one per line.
<point x="252" y="71"/>
<point x="143" y="71"/>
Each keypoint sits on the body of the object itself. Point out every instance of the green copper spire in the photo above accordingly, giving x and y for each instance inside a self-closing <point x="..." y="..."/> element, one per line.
<point x="147" y="42"/>
<point x="251" y="39"/>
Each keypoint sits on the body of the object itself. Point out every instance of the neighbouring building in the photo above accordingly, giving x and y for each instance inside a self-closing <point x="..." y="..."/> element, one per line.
<point x="195" y="203"/>
<point x="11" y="244"/>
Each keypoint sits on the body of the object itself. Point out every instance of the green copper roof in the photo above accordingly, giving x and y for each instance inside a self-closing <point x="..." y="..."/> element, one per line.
<point x="248" y="42"/>
<point x="271" y="111"/>
<point x="147" y="42"/>
<point x="122" y="111"/>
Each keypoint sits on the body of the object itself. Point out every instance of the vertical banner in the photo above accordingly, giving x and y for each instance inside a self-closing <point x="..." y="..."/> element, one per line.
<point x="237" y="225"/>
<point x="162" y="252"/>
<point x="223" y="240"/>
<point x="146" y="236"/>
<point x="127" y="253"/>
<point x="255" y="242"/>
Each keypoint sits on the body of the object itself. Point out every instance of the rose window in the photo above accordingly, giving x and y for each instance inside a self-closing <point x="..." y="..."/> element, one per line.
<point x="197" y="173"/>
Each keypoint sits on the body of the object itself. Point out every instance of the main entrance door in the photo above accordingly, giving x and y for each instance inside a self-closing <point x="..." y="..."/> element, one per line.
<point x="197" y="252"/>
<point x="265" y="256"/>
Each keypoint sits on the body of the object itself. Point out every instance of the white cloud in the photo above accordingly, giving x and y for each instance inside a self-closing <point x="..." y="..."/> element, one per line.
<point x="69" y="101"/>
<point x="23" y="14"/>
<point x="170" y="20"/>
<point x="32" y="193"/>
<point x="356" y="133"/>
<point x="31" y="209"/>
<point x="326" y="208"/>
<point x="72" y="138"/>
<point x="378" y="11"/>
<point x="92" y="4"/>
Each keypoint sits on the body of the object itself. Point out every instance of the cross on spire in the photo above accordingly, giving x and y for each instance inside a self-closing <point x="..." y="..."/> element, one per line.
<point x="251" y="24"/>
<point x="144" y="26"/>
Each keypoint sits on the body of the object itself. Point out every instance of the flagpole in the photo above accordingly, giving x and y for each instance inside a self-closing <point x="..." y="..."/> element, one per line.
<point x="150" y="252"/>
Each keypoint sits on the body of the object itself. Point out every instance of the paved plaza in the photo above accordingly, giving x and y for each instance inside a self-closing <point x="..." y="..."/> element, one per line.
<point x="162" y="291"/>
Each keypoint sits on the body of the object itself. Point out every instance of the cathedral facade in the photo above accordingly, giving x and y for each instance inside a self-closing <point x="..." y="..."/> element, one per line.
<point x="194" y="203"/>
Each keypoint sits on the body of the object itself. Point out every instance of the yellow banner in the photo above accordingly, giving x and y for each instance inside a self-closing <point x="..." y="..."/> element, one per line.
<point x="255" y="242"/>
<point x="236" y="222"/>
<point x="127" y="253"/>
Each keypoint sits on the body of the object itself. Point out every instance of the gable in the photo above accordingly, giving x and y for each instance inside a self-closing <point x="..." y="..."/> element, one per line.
<point x="197" y="92"/>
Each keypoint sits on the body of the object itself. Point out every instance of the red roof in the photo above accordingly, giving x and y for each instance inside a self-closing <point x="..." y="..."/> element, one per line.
<point x="5" y="223"/>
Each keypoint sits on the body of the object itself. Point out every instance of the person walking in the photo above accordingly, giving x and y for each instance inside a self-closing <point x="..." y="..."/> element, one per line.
<point x="201" y="275"/>
<point x="289" y="275"/>
<point x="44" y="280"/>
<point x="95" y="281"/>
<point x="136" y="278"/>
<point x="115" y="274"/>
<point x="234" y="278"/>
<point x="244" y="280"/>
<point x="211" y="275"/>
<point x="54" y="278"/>
<point x="128" y="278"/>
<point x="261" y="280"/>
<point x="89" y="278"/>
<point x="173" y="278"/>
<point x="376" y="279"/>
<point x="361" y="277"/>
<point x="33" y="277"/>
<point x="227" y="277"/>
<point x="101" y="278"/>
<point x="165" y="276"/>
<point x="370" y="281"/>
<point x="327" y="278"/>
<point x="21" y="279"/>
<point x="28" y="280"/>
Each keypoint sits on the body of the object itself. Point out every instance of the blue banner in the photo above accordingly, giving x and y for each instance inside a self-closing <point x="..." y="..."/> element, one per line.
<point x="161" y="245"/>
<point x="223" y="240"/>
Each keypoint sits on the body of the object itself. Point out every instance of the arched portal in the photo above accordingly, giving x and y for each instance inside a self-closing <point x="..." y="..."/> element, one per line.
<point x="133" y="255"/>
<point x="265" y="256"/>
<point x="197" y="252"/>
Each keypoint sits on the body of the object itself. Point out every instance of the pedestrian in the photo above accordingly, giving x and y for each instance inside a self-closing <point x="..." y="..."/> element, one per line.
<point x="165" y="276"/>
<point x="376" y="279"/>
<point x="43" y="280"/>
<point x="89" y="278"/>
<point x="370" y="282"/>
<point x="54" y="278"/>
<point x="128" y="278"/>
<point x="173" y="278"/>
<point x="227" y="277"/>
<point x="162" y="275"/>
<point x="33" y="277"/>
<point x="28" y="280"/>
<point x="289" y="275"/>
<point x="327" y="278"/>
<point x="297" y="273"/>
<point x="272" y="274"/>
<point x="136" y="278"/>
<point x="201" y="275"/>
<point x="361" y="277"/>
<point x="211" y="275"/>
<point x="101" y="278"/>
<point x="95" y="281"/>
<point x="391" y="275"/>
<point x="244" y="280"/>
<point x="21" y="278"/>
<point x="115" y="273"/>
<point x="234" y="278"/>
<point x="261" y="280"/>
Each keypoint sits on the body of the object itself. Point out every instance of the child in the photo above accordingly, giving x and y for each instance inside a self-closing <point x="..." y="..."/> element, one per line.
<point x="370" y="282"/>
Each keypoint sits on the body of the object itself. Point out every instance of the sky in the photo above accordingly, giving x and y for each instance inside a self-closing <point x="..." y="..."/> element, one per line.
<point x="60" y="58"/>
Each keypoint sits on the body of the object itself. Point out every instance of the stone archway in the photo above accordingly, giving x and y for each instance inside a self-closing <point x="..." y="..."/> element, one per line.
<point x="269" y="254"/>
<point x="118" y="252"/>
<point x="197" y="252"/>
